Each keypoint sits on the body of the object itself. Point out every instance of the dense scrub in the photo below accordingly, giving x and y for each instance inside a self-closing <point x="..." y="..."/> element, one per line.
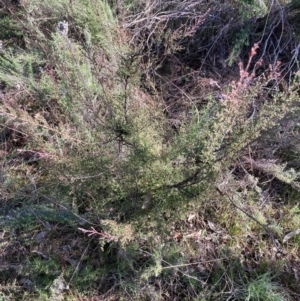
<point x="149" y="150"/>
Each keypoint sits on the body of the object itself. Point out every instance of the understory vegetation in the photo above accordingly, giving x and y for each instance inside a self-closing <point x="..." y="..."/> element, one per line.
<point x="149" y="150"/>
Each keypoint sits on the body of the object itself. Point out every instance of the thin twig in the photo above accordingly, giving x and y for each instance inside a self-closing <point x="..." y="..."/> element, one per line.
<point x="265" y="227"/>
<point x="77" y="266"/>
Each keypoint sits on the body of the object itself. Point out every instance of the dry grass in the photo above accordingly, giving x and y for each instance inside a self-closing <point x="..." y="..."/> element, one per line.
<point x="154" y="111"/>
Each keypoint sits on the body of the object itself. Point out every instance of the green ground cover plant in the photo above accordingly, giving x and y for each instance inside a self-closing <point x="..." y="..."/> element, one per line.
<point x="149" y="150"/>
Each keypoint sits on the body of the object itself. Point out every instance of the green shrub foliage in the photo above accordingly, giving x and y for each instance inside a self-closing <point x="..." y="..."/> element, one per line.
<point x="149" y="150"/>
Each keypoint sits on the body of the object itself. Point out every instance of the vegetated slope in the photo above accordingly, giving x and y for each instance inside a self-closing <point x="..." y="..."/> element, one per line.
<point x="149" y="151"/>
